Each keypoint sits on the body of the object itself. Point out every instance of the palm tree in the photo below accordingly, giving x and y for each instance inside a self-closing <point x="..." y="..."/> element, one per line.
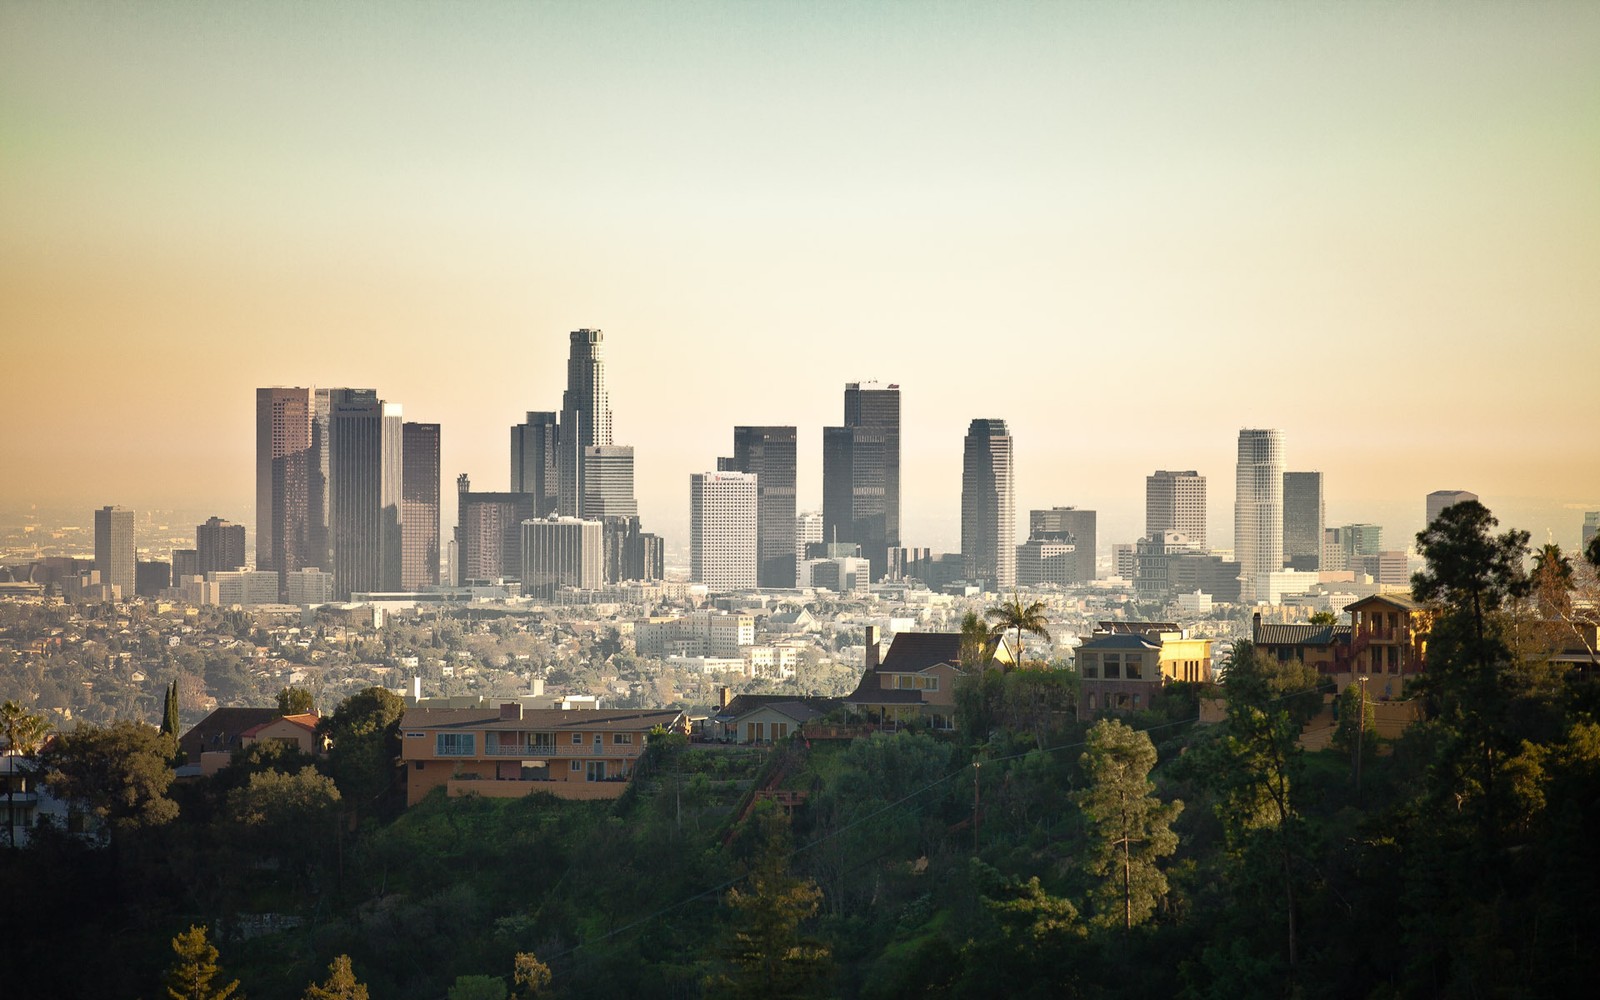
<point x="1011" y="616"/>
<point x="23" y="732"/>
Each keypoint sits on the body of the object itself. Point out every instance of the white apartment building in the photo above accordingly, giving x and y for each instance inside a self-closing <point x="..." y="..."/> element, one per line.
<point x="722" y="530"/>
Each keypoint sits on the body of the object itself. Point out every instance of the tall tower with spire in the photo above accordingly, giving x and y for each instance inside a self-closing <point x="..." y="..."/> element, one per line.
<point x="585" y="415"/>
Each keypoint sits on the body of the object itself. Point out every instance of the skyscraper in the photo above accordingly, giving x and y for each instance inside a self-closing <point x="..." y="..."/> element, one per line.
<point x="114" y="551"/>
<point x="608" y="482"/>
<point x="1591" y="527"/>
<point x="1068" y="524"/>
<point x="585" y="415"/>
<point x="861" y="473"/>
<point x="722" y="530"/>
<point x="1258" y="509"/>
<point x="218" y="546"/>
<point x="286" y="538"/>
<point x="365" y="476"/>
<point x="988" y="510"/>
<point x="489" y="533"/>
<point x="561" y="552"/>
<point x="419" y="506"/>
<point x="1304" y="514"/>
<point x="534" y="450"/>
<point x="1438" y="500"/>
<point x="1176" y="501"/>
<point x="769" y="454"/>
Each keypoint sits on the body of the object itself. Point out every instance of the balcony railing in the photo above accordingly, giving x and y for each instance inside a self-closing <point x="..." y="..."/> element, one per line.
<point x="533" y="751"/>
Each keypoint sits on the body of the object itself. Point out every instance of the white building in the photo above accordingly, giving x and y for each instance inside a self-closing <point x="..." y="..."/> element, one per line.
<point x="308" y="586"/>
<point x="722" y="530"/>
<point x="1258" y="509"/>
<point x="807" y="530"/>
<point x="245" y="588"/>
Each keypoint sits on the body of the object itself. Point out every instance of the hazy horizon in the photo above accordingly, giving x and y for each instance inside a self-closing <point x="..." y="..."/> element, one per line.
<point x="1128" y="230"/>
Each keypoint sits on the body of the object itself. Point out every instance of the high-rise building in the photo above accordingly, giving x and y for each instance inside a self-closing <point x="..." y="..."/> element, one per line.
<point x="1304" y="514"/>
<point x="561" y="552"/>
<point x="1176" y="501"/>
<point x="1068" y="524"/>
<point x="1042" y="561"/>
<point x="769" y="454"/>
<point x="365" y="479"/>
<point x="185" y="564"/>
<point x="585" y="415"/>
<point x="419" y="506"/>
<point x="1258" y="507"/>
<point x="534" y="451"/>
<point x="861" y="473"/>
<point x="807" y="531"/>
<point x="114" y="551"/>
<point x="631" y="553"/>
<point x="489" y="533"/>
<point x="608" y="482"/>
<point x="1154" y="581"/>
<point x="151" y="578"/>
<point x="319" y="552"/>
<point x="1438" y="500"/>
<point x="1591" y="527"/>
<point x="1344" y="547"/>
<point x="722" y="530"/>
<point x="287" y="530"/>
<point x="988" y="510"/>
<point x="218" y="546"/>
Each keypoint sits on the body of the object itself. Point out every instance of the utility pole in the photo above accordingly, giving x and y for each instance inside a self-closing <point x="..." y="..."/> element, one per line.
<point x="1361" y="733"/>
<point x="975" y="766"/>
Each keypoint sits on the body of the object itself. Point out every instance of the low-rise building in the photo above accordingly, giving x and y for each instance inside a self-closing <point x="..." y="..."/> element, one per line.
<point x="1125" y="668"/>
<point x="510" y="752"/>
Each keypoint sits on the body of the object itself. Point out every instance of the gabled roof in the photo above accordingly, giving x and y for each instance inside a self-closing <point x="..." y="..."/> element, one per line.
<point x="1402" y="602"/>
<point x="800" y="710"/>
<point x="308" y="722"/>
<point x="221" y="730"/>
<point x="1301" y="635"/>
<point x="914" y="651"/>
<point x="745" y="703"/>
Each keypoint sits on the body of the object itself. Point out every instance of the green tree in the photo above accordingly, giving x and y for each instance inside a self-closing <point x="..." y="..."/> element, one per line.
<point x="121" y="773"/>
<point x="1130" y="829"/>
<point x="341" y="983"/>
<point x="1473" y="680"/>
<point x="169" y="714"/>
<point x="1017" y="618"/>
<point x="290" y="817"/>
<point x="976" y="649"/>
<point x="365" y="730"/>
<point x="296" y="701"/>
<point x="1324" y="618"/>
<point x="191" y="973"/>
<point x="1250" y="764"/>
<point x="477" y="988"/>
<point x="765" y="951"/>
<point x="23" y="732"/>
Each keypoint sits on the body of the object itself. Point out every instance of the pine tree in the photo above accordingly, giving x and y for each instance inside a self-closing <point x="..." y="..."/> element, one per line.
<point x="190" y="976"/>
<point x="340" y="985"/>
<point x="1130" y="828"/>
<point x="766" y="952"/>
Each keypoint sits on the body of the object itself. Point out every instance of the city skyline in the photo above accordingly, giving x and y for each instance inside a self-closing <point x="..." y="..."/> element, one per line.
<point x="1413" y="192"/>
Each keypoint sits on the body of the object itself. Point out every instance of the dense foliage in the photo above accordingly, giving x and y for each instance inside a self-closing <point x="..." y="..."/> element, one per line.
<point x="1030" y="854"/>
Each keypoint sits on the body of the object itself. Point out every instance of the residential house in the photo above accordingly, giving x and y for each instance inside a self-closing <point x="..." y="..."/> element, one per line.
<point x="1324" y="648"/>
<point x="1125" y="669"/>
<point x="765" y="718"/>
<point x="511" y="751"/>
<point x="208" y="747"/>
<point x="915" y="682"/>
<point x="1388" y="643"/>
<point x="298" y="732"/>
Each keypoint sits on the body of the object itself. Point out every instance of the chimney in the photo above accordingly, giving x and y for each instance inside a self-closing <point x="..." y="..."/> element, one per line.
<point x="511" y="711"/>
<point x="1255" y="627"/>
<point x="872" y="648"/>
<point x="724" y="695"/>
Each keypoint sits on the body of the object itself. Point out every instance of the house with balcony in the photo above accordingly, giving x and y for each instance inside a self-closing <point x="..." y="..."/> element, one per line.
<point x="511" y="751"/>
<point x="1388" y="643"/>
<point x="1123" y="669"/>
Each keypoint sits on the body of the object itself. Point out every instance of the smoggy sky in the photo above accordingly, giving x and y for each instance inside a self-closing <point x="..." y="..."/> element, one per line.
<point x="1126" y="229"/>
